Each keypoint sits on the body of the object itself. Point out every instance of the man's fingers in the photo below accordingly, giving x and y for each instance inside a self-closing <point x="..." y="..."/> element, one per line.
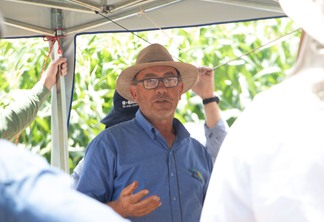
<point x="153" y="201"/>
<point x="146" y="206"/>
<point x="63" y="68"/>
<point x="205" y="70"/>
<point x="129" y="189"/>
<point x="130" y="204"/>
<point x="60" y="60"/>
<point x="134" y="198"/>
<point x="61" y="65"/>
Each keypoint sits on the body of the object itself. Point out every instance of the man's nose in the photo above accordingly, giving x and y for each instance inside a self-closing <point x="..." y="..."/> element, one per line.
<point x="161" y="87"/>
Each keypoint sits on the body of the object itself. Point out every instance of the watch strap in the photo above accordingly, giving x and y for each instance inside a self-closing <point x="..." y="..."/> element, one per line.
<point x="210" y="100"/>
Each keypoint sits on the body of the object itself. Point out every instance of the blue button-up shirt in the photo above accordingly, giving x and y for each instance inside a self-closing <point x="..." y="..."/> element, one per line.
<point x="135" y="150"/>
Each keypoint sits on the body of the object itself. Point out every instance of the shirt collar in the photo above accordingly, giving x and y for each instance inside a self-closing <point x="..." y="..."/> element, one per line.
<point x="181" y="131"/>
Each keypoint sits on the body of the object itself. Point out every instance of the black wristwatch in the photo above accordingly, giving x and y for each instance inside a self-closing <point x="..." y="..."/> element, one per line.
<point x="210" y="100"/>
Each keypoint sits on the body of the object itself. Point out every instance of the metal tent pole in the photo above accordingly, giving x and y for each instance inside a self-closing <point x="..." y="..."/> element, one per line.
<point x="60" y="154"/>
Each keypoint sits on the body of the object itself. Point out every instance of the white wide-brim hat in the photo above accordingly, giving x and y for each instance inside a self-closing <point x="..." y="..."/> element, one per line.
<point x="308" y="14"/>
<point x="155" y="55"/>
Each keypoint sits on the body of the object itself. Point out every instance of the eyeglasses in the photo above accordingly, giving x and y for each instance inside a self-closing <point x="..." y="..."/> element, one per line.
<point x="153" y="83"/>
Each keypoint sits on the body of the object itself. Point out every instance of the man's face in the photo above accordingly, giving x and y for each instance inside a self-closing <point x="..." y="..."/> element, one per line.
<point x="160" y="102"/>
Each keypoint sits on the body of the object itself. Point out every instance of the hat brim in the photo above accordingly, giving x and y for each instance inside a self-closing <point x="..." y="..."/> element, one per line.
<point x="308" y="15"/>
<point x="188" y="72"/>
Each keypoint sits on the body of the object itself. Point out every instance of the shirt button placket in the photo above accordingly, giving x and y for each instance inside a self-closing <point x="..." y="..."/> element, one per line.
<point x="173" y="186"/>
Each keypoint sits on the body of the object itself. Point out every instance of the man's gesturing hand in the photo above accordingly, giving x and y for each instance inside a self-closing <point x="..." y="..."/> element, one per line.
<point x="135" y="205"/>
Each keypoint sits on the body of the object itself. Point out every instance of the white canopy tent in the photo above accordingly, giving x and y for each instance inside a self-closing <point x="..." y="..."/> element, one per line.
<point x="57" y="18"/>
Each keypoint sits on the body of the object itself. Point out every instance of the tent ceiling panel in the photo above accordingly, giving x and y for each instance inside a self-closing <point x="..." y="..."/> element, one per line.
<point x="33" y="17"/>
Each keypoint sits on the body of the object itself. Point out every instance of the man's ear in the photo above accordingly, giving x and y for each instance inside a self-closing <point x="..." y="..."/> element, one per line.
<point x="133" y="92"/>
<point x="181" y="88"/>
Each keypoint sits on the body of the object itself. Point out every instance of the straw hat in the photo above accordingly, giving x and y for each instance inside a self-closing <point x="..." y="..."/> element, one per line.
<point x="308" y="14"/>
<point x="155" y="55"/>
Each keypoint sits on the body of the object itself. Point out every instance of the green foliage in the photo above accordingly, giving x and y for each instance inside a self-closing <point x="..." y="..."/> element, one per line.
<point x="100" y="58"/>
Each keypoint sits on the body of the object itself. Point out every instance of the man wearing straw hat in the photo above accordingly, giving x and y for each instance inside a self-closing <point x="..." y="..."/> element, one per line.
<point x="149" y="168"/>
<point x="215" y="128"/>
<point x="271" y="164"/>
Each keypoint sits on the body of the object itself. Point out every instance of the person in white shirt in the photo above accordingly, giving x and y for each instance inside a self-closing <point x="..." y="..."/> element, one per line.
<point x="270" y="167"/>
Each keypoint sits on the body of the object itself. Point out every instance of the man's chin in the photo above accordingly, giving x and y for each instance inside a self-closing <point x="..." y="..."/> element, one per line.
<point x="163" y="106"/>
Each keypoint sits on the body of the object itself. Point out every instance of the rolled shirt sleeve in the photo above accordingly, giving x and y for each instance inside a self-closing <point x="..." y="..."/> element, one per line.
<point x="215" y="137"/>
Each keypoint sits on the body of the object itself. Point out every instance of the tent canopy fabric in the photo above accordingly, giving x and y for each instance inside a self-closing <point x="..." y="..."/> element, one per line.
<point x="34" y="17"/>
<point x="58" y="18"/>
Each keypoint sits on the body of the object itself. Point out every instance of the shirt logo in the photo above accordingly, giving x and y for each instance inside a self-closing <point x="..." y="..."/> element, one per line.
<point x="196" y="175"/>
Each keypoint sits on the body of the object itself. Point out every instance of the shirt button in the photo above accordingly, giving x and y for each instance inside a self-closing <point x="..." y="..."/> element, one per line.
<point x="172" y="174"/>
<point x="174" y="198"/>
